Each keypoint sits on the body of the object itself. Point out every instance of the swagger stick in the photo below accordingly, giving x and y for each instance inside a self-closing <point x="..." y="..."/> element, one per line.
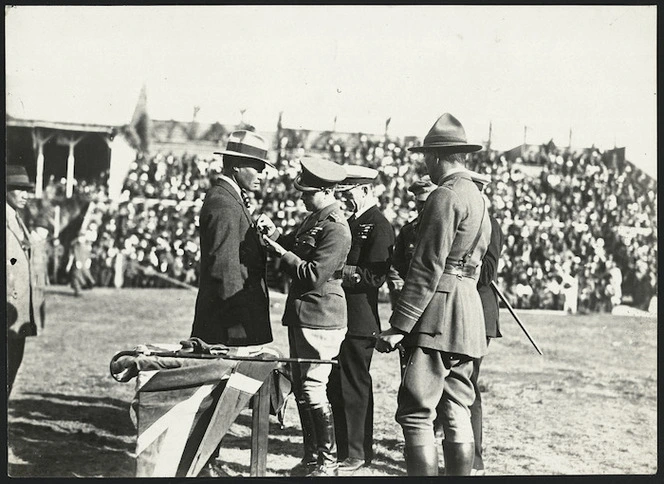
<point x="516" y="318"/>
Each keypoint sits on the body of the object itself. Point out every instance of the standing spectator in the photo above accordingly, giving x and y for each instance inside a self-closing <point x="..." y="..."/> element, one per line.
<point x="350" y="389"/>
<point x="79" y="264"/>
<point x="25" y="283"/>
<point x="315" y="313"/>
<point x="439" y="314"/>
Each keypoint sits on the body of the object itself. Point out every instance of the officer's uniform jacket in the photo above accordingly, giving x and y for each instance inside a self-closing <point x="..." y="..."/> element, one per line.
<point x="366" y="270"/>
<point x="232" y="306"/>
<point x="489" y="273"/>
<point x="317" y="250"/>
<point x="439" y="305"/>
<point x="25" y="283"/>
<point x="404" y="247"/>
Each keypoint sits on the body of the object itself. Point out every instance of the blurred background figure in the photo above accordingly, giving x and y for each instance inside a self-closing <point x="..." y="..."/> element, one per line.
<point x="79" y="264"/>
<point x="26" y="277"/>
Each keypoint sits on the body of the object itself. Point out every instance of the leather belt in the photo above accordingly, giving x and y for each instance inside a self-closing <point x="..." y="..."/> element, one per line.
<point x="466" y="271"/>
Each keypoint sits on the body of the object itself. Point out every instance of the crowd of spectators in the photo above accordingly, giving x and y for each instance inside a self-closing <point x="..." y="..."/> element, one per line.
<point x="579" y="235"/>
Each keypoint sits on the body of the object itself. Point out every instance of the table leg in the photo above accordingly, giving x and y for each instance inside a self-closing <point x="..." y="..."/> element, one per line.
<point x="260" y="428"/>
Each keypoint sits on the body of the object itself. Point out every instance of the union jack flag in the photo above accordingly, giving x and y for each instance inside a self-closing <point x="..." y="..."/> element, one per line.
<point x="184" y="406"/>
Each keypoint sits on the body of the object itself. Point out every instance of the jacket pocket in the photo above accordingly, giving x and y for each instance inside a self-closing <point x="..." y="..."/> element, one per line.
<point x="432" y="320"/>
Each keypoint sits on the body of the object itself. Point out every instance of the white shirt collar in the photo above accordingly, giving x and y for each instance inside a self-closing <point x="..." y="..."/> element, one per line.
<point x="233" y="183"/>
<point x="360" y="212"/>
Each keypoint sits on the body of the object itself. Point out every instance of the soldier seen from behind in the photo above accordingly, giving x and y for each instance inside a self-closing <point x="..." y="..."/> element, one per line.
<point x="438" y="317"/>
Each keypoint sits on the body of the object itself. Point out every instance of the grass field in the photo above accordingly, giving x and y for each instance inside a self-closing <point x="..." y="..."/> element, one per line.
<point x="588" y="406"/>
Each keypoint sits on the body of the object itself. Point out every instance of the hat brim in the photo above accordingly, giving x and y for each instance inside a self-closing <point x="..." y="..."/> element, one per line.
<point x="242" y="155"/>
<point x="451" y="147"/>
<point x="304" y="188"/>
<point x="26" y="186"/>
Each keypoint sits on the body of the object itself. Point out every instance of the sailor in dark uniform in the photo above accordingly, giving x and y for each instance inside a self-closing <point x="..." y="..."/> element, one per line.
<point x="350" y="389"/>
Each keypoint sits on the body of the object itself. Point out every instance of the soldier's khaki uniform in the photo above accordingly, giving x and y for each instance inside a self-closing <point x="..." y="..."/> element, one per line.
<point x="315" y="310"/>
<point x="441" y="310"/>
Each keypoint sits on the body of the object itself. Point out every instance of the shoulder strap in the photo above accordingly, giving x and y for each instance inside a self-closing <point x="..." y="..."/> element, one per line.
<point x="469" y="252"/>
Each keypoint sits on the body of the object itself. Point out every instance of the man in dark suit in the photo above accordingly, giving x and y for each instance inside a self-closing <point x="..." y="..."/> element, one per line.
<point x="439" y="315"/>
<point x="350" y="388"/>
<point x="315" y="313"/>
<point x="232" y="306"/>
<point x="25" y="282"/>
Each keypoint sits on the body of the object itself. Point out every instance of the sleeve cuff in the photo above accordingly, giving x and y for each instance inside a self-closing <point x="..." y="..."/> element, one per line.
<point x="402" y="322"/>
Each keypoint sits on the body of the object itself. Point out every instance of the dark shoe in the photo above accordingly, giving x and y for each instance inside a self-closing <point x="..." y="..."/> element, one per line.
<point x="458" y="458"/>
<point x="303" y="468"/>
<point x="422" y="460"/>
<point x="327" y="470"/>
<point x="348" y="466"/>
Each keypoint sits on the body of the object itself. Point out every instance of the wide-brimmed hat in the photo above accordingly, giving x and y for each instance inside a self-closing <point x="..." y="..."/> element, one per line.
<point x="246" y="144"/>
<point x="447" y="134"/>
<point x="318" y="174"/>
<point x="357" y="175"/>
<point x="17" y="177"/>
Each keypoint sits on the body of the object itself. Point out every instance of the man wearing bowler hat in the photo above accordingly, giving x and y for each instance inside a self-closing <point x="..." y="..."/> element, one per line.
<point x="315" y="314"/>
<point x="25" y="283"/>
<point x="438" y="317"/>
<point x="350" y="389"/>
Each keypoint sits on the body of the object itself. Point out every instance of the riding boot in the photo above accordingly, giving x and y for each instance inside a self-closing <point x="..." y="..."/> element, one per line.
<point x="422" y="460"/>
<point x="458" y="458"/>
<point x="310" y="458"/>
<point x="327" y="447"/>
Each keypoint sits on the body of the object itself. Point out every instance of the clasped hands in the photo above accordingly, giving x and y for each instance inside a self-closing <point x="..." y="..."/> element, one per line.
<point x="267" y="229"/>
<point x="388" y="340"/>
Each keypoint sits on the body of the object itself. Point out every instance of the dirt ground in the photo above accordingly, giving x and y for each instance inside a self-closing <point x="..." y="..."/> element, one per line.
<point x="588" y="406"/>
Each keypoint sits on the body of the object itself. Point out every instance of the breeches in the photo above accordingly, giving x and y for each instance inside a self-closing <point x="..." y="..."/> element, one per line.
<point x="310" y="379"/>
<point x="435" y="379"/>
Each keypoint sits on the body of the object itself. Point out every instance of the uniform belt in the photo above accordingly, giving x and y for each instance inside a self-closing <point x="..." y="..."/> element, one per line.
<point x="465" y="271"/>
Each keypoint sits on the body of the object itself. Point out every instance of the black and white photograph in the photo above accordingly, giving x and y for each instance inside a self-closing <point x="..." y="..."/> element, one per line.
<point x="301" y="241"/>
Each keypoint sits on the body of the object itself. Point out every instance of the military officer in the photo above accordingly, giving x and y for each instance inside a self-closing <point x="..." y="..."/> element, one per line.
<point x="405" y="241"/>
<point x="439" y="317"/>
<point x="350" y="389"/>
<point x="314" y="256"/>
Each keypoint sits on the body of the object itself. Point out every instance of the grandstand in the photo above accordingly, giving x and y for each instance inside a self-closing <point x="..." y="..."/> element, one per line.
<point x="583" y="219"/>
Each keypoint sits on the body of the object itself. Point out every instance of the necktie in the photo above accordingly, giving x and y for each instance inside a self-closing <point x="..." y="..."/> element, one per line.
<point x="245" y="199"/>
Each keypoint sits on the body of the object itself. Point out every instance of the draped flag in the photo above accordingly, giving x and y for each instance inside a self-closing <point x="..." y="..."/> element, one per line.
<point x="184" y="406"/>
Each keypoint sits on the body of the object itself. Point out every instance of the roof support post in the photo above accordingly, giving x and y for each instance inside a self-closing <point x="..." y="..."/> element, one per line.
<point x="71" y="141"/>
<point x="39" y="139"/>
